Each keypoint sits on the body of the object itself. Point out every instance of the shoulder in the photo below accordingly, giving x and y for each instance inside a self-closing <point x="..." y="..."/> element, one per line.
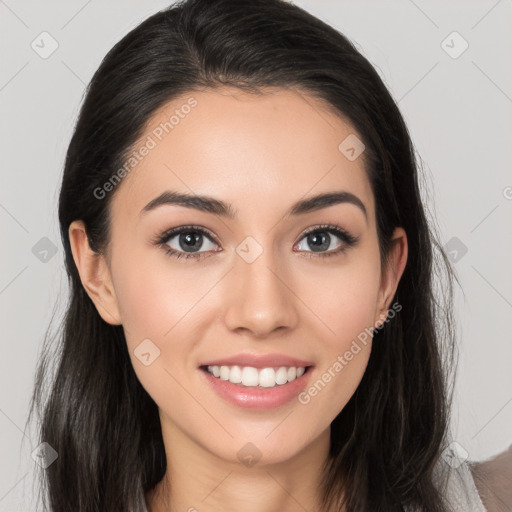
<point x="493" y="480"/>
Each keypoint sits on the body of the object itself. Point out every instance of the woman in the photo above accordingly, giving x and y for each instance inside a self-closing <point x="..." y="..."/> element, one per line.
<point x="252" y="323"/>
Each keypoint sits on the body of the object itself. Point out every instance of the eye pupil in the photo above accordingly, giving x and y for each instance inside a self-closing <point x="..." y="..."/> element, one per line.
<point x="191" y="240"/>
<point x="323" y="238"/>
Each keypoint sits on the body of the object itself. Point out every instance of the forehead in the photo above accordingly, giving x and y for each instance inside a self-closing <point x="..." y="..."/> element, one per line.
<point x="259" y="152"/>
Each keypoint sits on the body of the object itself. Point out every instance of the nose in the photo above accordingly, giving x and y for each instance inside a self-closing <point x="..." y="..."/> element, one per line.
<point x="259" y="297"/>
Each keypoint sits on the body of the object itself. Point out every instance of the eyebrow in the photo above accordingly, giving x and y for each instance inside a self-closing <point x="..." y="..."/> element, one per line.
<point x="211" y="205"/>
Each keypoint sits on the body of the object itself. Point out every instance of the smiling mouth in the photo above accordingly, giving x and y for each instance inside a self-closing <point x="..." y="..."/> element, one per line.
<point x="251" y="377"/>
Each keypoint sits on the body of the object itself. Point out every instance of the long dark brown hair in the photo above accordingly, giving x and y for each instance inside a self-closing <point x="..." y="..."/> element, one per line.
<point x="93" y="410"/>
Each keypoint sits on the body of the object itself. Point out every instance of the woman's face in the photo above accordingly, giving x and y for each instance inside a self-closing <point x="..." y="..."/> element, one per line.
<point x="255" y="283"/>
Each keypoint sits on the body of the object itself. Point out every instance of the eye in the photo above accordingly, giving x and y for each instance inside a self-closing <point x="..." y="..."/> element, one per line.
<point x="189" y="239"/>
<point x="320" y="239"/>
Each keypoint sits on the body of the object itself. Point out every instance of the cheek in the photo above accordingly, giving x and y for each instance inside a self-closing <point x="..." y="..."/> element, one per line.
<point x="142" y="304"/>
<point x="154" y="303"/>
<point x="345" y="306"/>
<point x="160" y="302"/>
<point x="344" y="299"/>
<point x="153" y="295"/>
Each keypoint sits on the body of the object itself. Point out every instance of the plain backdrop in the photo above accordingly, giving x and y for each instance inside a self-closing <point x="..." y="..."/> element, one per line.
<point x="447" y="64"/>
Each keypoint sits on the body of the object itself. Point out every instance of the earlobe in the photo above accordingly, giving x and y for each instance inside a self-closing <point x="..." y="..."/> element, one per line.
<point x="392" y="274"/>
<point x="94" y="274"/>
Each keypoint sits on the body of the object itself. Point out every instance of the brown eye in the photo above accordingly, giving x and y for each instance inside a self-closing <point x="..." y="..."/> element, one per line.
<point x="321" y="241"/>
<point x="189" y="241"/>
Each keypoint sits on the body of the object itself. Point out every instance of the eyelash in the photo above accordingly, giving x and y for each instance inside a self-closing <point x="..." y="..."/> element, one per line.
<point x="348" y="239"/>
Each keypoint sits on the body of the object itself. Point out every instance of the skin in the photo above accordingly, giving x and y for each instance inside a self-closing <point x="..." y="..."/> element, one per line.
<point x="492" y="479"/>
<point x="261" y="153"/>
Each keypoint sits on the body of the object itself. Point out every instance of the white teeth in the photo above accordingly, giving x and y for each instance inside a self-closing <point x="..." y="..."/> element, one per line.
<point x="282" y="376"/>
<point x="251" y="377"/>
<point x="235" y="375"/>
<point x="267" y="378"/>
<point x="215" y="371"/>
<point x="224" y="372"/>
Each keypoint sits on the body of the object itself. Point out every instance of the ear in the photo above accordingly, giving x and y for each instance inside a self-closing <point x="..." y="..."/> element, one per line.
<point x="391" y="274"/>
<point x="94" y="274"/>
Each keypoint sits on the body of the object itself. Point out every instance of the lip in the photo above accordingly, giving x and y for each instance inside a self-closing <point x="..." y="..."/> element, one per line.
<point x="258" y="361"/>
<point x="253" y="397"/>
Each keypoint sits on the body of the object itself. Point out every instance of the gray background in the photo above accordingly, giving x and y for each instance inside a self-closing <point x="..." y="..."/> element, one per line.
<point x="459" y="115"/>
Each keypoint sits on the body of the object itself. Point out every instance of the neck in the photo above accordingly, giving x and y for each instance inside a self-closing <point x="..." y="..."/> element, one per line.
<point x="197" y="480"/>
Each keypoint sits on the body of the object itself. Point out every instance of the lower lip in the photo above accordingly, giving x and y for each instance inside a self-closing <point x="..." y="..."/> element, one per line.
<point x="257" y="397"/>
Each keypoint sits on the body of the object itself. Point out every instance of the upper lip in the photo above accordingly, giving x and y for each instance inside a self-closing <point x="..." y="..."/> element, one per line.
<point x="258" y="361"/>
